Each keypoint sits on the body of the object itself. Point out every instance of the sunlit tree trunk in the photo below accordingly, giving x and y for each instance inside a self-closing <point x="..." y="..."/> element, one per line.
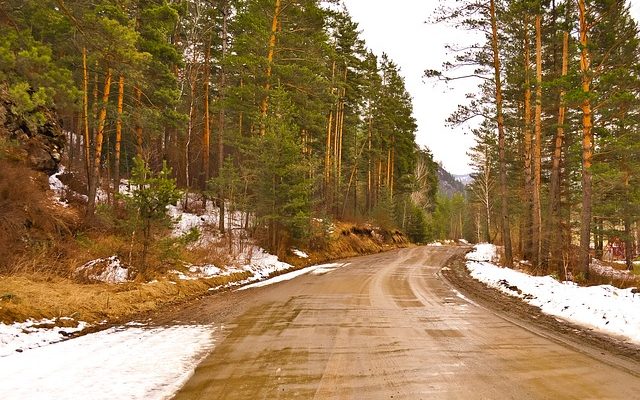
<point x="504" y="209"/>
<point x="116" y="169"/>
<point x="264" y="106"/>
<point x="528" y="178"/>
<point x="206" y="131"/>
<point x="85" y="113"/>
<point x="369" y="164"/>
<point x="554" y="235"/>
<point x="587" y="143"/>
<point x="221" y="114"/>
<point x="95" y="178"/>
<point x="537" y="149"/>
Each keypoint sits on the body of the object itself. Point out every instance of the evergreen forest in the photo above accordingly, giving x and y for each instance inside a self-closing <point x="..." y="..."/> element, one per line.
<point x="557" y="129"/>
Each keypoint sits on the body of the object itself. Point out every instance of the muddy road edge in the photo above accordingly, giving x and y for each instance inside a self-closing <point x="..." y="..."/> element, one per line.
<point x="608" y="349"/>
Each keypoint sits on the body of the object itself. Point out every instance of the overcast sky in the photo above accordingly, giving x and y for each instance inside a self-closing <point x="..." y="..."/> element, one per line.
<point x="398" y="28"/>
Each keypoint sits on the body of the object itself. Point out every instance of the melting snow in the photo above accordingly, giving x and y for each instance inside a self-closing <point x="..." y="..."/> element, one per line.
<point x="605" y="308"/>
<point x="299" y="253"/>
<point x="108" y="270"/>
<point x="326" y="268"/>
<point x="483" y="252"/>
<point x="59" y="189"/>
<point x="128" y="362"/>
<point x="315" y="269"/>
<point x="22" y="336"/>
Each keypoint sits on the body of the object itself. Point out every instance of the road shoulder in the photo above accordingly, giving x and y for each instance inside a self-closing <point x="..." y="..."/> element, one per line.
<point x="607" y="349"/>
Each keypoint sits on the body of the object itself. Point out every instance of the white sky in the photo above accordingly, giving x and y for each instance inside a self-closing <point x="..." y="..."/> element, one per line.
<point x="398" y="29"/>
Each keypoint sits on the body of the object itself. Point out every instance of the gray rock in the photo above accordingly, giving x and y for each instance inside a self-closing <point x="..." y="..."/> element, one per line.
<point x="43" y="144"/>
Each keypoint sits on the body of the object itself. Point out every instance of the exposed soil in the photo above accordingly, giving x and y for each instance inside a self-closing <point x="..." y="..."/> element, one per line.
<point x="618" y="352"/>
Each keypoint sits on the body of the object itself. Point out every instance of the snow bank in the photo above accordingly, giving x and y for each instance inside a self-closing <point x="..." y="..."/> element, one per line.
<point x="22" y="336"/>
<point x="483" y="252"/>
<point x="315" y="269"/>
<point x="280" y="278"/>
<point x="605" y="270"/>
<point x="326" y="268"/>
<point x="299" y="253"/>
<point x="262" y="264"/>
<point x="120" y="363"/>
<point x="186" y="221"/>
<point x="204" y="271"/>
<point x="107" y="270"/>
<point x="605" y="308"/>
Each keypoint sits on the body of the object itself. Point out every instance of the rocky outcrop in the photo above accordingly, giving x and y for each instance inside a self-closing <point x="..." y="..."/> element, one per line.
<point x="448" y="185"/>
<point x="42" y="144"/>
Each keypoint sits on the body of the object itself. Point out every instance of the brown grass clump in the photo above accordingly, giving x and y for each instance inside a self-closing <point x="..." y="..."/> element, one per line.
<point x="29" y="222"/>
<point x="23" y="297"/>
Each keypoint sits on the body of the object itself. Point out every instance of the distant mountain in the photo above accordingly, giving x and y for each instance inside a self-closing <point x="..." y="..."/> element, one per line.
<point x="449" y="184"/>
<point x="464" y="179"/>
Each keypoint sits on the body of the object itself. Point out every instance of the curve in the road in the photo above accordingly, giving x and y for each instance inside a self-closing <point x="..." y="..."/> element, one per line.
<point x="387" y="326"/>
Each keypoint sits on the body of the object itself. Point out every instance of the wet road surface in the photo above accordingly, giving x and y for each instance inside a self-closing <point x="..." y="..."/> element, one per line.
<point x="387" y="326"/>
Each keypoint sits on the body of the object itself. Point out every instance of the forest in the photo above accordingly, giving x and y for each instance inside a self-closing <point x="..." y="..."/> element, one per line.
<point x="557" y="138"/>
<point x="273" y="108"/>
<point x="278" y="110"/>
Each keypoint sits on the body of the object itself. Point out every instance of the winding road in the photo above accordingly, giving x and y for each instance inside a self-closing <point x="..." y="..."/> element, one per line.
<point x="388" y="326"/>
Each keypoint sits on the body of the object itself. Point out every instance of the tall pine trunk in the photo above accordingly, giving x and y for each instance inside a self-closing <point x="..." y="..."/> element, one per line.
<point x="264" y="106"/>
<point x="628" y="234"/>
<point x="85" y="114"/>
<point x="116" y="166"/>
<point x="504" y="209"/>
<point x="138" y="128"/>
<point x="221" y="114"/>
<point x="587" y="143"/>
<point x="206" y="131"/>
<point x="528" y="178"/>
<point x="537" y="149"/>
<point x="94" y="182"/>
<point x="554" y="236"/>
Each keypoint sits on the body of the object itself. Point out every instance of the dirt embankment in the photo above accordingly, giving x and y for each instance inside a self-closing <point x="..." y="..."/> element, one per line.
<point x="24" y="295"/>
<point x="598" y="345"/>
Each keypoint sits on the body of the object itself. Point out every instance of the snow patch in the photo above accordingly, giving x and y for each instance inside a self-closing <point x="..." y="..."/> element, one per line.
<point x="195" y="272"/>
<point x="299" y="253"/>
<point x="326" y="268"/>
<point x="59" y="189"/>
<point x="23" y="336"/>
<point x="280" y="278"/>
<point x="483" y="252"/>
<point x="119" y="363"/>
<point x="605" y="308"/>
<point x="605" y="270"/>
<point x="107" y="270"/>
<point x="314" y="269"/>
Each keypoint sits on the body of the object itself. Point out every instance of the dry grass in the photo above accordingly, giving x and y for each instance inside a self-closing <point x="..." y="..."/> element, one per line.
<point x="23" y="297"/>
<point x="38" y="281"/>
<point x="28" y="221"/>
<point x="350" y="240"/>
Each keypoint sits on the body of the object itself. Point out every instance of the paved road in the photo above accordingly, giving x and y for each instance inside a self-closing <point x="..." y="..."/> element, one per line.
<point x="387" y="326"/>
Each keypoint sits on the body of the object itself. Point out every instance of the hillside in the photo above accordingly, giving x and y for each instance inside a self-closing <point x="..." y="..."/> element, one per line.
<point x="449" y="184"/>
